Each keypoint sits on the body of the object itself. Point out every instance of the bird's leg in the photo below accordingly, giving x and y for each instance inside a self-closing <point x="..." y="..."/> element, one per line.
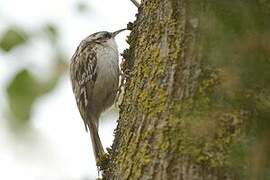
<point x="135" y="2"/>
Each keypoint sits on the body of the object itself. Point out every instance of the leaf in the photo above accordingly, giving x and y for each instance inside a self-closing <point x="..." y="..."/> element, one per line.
<point x="11" y="38"/>
<point x="24" y="89"/>
<point x="21" y="93"/>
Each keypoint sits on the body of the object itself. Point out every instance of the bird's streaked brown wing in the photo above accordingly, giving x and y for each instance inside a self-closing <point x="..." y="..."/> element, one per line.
<point x="83" y="72"/>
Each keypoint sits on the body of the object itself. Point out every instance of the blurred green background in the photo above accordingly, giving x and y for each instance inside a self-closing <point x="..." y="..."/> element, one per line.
<point x="42" y="135"/>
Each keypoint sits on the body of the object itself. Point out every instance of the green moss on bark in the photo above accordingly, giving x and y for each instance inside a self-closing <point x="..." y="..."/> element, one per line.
<point x="189" y="98"/>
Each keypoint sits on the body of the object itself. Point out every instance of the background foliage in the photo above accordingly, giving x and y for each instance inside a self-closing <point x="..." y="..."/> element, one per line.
<point x="41" y="132"/>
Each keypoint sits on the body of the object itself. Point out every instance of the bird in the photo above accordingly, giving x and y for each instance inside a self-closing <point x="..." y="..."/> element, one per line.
<point x="94" y="74"/>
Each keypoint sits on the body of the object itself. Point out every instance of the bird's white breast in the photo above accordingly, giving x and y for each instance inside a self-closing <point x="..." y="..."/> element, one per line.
<point x="107" y="74"/>
<point x="107" y="63"/>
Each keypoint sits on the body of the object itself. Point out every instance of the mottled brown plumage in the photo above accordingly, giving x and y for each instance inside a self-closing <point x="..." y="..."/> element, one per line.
<point x="94" y="75"/>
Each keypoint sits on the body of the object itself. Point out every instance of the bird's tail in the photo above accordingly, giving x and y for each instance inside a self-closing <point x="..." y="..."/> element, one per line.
<point x="96" y="143"/>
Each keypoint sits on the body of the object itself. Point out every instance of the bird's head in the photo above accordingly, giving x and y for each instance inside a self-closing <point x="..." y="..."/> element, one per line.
<point x="104" y="38"/>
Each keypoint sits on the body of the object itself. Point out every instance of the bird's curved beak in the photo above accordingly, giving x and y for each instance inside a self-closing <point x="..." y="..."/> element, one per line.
<point x="117" y="32"/>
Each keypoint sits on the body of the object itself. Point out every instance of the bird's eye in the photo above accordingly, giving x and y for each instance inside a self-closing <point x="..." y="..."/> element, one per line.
<point x="108" y="35"/>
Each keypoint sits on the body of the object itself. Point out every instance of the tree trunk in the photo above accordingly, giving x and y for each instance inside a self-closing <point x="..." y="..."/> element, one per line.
<point x="198" y="83"/>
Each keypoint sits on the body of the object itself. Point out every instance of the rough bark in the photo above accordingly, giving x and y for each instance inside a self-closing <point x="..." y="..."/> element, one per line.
<point x="198" y="79"/>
